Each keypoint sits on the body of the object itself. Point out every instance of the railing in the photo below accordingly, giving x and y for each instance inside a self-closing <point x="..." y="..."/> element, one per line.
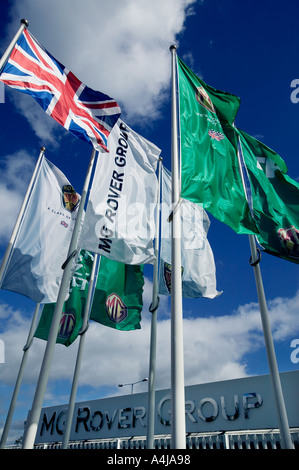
<point x="261" y="439"/>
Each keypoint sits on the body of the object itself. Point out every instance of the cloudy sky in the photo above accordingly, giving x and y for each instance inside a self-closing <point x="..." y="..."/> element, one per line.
<point x="121" y="47"/>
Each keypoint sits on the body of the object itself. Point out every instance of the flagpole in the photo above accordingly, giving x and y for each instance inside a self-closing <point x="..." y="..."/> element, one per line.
<point x="153" y="309"/>
<point x="178" y="425"/>
<point x="20" y="216"/>
<point x="24" y="24"/>
<point x="34" y="415"/>
<point x="72" y="401"/>
<point x="273" y="368"/>
<point x="19" y="379"/>
<point x="274" y="373"/>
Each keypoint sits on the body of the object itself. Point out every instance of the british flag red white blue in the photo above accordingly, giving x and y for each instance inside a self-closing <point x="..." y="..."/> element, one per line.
<point x="87" y="113"/>
<point x="216" y="135"/>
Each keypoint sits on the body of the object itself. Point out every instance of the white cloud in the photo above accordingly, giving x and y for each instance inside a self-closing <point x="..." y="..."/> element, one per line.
<point x="215" y="348"/>
<point x="118" y="47"/>
<point x="43" y="125"/>
<point x="15" y="175"/>
<point x="8" y="211"/>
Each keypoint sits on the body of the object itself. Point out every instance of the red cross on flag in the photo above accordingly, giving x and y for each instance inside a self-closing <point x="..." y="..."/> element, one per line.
<point x="87" y="113"/>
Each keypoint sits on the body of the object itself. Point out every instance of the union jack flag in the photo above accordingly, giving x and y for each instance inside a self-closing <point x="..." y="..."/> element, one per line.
<point x="88" y="114"/>
<point x="216" y="135"/>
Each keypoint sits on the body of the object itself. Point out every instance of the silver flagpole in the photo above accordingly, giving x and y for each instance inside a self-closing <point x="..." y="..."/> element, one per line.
<point x="273" y="368"/>
<point x="19" y="218"/>
<point x="19" y="379"/>
<point x="71" y="407"/>
<point x="4" y="58"/>
<point x="153" y="309"/>
<point x="178" y="425"/>
<point x="274" y="374"/>
<point x="34" y="415"/>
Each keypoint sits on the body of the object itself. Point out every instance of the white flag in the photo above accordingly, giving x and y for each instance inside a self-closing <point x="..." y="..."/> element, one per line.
<point x="198" y="267"/>
<point x="119" y="221"/>
<point x="44" y="235"/>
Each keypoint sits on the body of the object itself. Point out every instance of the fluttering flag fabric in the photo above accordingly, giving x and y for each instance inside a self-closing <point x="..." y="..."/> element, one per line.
<point x="117" y="301"/>
<point x="73" y="308"/>
<point x="119" y="221"/>
<point x="86" y="113"/>
<point x="198" y="266"/>
<point x="44" y="235"/>
<point x="274" y="198"/>
<point x="210" y="172"/>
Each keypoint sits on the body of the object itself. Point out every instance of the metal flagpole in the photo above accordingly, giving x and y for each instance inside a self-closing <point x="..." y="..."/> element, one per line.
<point x="19" y="218"/>
<point x="71" y="407"/>
<point x="273" y="368"/>
<point x="178" y="425"/>
<point x="4" y="58"/>
<point x="153" y="309"/>
<point x="34" y="415"/>
<point x="19" y="379"/>
<point x="274" y="374"/>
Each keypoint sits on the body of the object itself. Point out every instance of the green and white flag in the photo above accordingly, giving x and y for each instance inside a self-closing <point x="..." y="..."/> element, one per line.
<point x="117" y="301"/>
<point x="73" y="308"/>
<point x="274" y="199"/>
<point x="210" y="171"/>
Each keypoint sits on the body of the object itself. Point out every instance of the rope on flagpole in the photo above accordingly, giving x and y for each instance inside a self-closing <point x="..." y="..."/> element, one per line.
<point x="83" y="330"/>
<point x="153" y="309"/>
<point x="71" y="256"/>
<point x="258" y="259"/>
<point x="28" y="345"/>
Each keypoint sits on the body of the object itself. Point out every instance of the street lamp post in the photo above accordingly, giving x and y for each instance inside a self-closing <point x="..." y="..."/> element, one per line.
<point x="133" y="383"/>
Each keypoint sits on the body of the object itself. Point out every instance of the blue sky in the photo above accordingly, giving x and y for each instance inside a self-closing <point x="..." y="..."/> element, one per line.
<point x="121" y="47"/>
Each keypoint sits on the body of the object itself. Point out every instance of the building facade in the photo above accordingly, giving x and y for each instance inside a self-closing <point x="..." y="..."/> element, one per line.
<point x="238" y="413"/>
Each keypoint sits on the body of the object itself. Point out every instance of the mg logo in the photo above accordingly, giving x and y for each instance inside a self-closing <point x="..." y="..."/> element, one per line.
<point x="115" y="308"/>
<point x="67" y="324"/>
<point x="203" y="98"/>
<point x="289" y="238"/>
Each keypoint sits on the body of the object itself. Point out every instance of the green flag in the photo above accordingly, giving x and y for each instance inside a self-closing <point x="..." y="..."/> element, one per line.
<point x="73" y="308"/>
<point x="274" y="198"/>
<point x="117" y="299"/>
<point x="210" y="171"/>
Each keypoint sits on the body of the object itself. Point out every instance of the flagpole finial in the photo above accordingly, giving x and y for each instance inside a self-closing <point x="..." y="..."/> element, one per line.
<point x="173" y="46"/>
<point x="43" y="149"/>
<point x="25" y="22"/>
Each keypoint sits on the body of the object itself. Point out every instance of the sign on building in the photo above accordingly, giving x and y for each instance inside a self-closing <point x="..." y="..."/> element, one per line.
<point x="231" y="405"/>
